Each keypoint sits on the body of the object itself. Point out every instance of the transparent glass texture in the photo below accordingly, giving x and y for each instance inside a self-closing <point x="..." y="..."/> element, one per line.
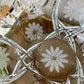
<point x="58" y="16"/>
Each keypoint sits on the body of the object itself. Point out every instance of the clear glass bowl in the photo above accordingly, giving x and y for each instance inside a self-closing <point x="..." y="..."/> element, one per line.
<point x="65" y="26"/>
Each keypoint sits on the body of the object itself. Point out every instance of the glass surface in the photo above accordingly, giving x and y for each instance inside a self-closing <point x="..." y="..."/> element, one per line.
<point x="10" y="67"/>
<point x="67" y="19"/>
<point x="30" y="24"/>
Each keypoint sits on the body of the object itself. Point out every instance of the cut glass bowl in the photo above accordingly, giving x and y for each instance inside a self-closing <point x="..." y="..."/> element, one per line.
<point x="67" y="19"/>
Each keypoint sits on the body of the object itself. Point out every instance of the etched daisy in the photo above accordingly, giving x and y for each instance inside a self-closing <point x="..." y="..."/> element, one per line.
<point x="80" y="41"/>
<point x="81" y="20"/>
<point x="73" y="10"/>
<point x="82" y="49"/>
<point x="80" y="38"/>
<point x="34" y="31"/>
<point x="3" y="58"/>
<point x="54" y="58"/>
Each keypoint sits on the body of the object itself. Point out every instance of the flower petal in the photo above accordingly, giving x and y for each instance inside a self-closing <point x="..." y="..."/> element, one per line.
<point x="48" y="63"/>
<point x="71" y="18"/>
<point x="45" y="55"/>
<point x="60" y="52"/>
<point x="34" y="25"/>
<point x="3" y="57"/>
<point x="45" y="60"/>
<point x="32" y="37"/>
<point x="63" y="60"/>
<point x="56" y="67"/>
<point x="60" y="64"/>
<point x="52" y="66"/>
<point x="63" y="55"/>
<point x="52" y="50"/>
<point x="48" y="52"/>
<point x="30" y="26"/>
<point x="67" y="15"/>
<point x="69" y="3"/>
<point x="37" y="25"/>
<point x="56" y="50"/>
<point x="27" y="28"/>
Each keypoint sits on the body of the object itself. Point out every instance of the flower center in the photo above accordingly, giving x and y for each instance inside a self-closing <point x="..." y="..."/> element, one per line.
<point x="53" y="58"/>
<point x="34" y="32"/>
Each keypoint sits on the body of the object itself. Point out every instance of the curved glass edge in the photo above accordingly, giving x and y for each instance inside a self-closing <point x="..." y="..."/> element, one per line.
<point x="23" y="70"/>
<point x="15" y="75"/>
<point x="71" y="31"/>
<point x="78" y="63"/>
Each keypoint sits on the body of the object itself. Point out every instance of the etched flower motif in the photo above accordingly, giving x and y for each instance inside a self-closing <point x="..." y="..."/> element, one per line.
<point x="81" y="20"/>
<point x="54" y="58"/>
<point x="82" y="48"/>
<point x="34" y="31"/>
<point x="80" y="41"/>
<point x="80" y="38"/>
<point x="73" y="10"/>
<point x="3" y="58"/>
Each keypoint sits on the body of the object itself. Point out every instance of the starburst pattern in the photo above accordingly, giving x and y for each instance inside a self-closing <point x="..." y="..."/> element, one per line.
<point x="58" y="55"/>
<point x="34" y="31"/>
<point x="54" y="58"/>
<point x="73" y="10"/>
<point x="3" y="57"/>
